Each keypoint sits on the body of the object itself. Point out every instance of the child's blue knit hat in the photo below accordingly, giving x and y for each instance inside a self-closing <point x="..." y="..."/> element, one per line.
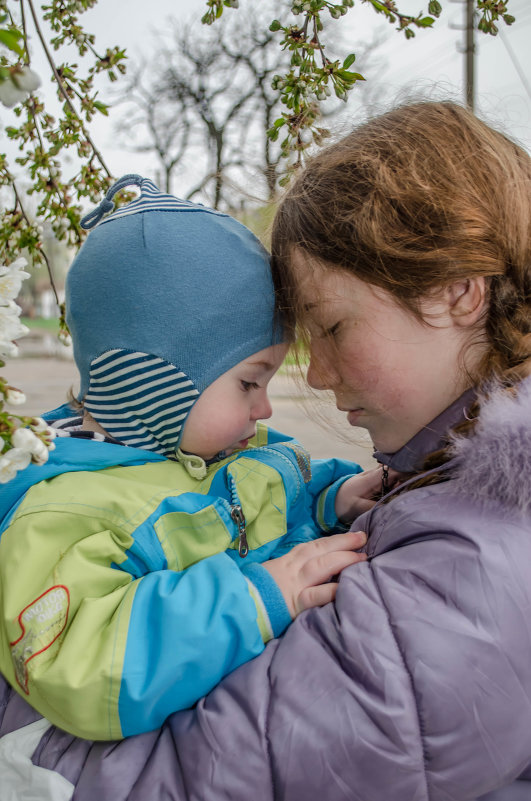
<point x="163" y="297"/>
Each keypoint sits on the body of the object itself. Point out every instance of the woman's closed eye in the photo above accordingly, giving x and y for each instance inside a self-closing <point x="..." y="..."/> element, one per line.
<point x="332" y="331"/>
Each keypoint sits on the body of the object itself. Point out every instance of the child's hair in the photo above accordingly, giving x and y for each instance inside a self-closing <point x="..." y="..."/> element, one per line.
<point x="419" y="197"/>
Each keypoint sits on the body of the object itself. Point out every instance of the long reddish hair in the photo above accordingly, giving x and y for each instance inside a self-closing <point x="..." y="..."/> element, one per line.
<point x="412" y="200"/>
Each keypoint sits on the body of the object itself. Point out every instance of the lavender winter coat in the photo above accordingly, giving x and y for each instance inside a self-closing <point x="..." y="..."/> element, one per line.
<point x="415" y="685"/>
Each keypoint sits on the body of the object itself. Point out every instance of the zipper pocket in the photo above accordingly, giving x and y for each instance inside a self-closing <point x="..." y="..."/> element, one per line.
<point x="278" y="455"/>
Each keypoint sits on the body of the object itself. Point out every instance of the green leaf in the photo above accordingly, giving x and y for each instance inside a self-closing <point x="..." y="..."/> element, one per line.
<point x="275" y="25"/>
<point x="350" y="77"/>
<point x="10" y="39"/>
<point x="101" y="107"/>
<point x="425" y="22"/>
<point x="349" y="61"/>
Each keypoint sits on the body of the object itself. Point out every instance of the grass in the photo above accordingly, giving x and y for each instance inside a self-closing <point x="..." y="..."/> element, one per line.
<point x="294" y="358"/>
<point x="42" y="324"/>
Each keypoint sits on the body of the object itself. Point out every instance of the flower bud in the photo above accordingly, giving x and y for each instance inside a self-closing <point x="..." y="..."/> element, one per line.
<point x="14" y="397"/>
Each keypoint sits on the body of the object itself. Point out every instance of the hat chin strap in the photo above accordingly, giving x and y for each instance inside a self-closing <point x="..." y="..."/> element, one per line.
<point x="195" y="466"/>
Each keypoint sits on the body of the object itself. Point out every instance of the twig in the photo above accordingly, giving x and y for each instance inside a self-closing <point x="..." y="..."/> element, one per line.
<point x="48" y="265"/>
<point x="62" y="88"/>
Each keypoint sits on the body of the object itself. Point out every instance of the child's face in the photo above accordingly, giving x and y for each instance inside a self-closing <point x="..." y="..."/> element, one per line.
<point x="224" y="418"/>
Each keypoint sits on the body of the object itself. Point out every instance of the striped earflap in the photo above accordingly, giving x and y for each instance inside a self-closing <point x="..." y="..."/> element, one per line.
<point x="140" y="399"/>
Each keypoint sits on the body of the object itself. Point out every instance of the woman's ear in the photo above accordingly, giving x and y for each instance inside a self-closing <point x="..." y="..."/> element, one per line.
<point x="466" y="300"/>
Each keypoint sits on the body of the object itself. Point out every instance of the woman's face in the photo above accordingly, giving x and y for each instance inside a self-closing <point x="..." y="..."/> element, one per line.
<point x="390" y="372"/>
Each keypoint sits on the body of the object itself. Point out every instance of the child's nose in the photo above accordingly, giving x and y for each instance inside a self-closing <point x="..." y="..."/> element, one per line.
<point x="261" y="410"/>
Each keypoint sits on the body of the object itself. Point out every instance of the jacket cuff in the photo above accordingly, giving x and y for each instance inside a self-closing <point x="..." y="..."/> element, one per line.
<point x="272" y="612"/>
<point x="326" y="517"/>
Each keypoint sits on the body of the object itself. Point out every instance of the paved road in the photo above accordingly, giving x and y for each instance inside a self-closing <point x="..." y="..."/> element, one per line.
<point x="317" y="424"/>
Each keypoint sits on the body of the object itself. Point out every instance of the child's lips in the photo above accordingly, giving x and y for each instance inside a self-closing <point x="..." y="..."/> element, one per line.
<point x="242" y="443"/>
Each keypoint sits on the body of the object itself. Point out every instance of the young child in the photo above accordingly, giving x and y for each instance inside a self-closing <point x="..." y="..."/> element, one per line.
<point x="152" y="555"/>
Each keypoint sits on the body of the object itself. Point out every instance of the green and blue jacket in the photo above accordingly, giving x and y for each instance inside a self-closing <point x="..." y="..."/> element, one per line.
<point x="128" y="588"/>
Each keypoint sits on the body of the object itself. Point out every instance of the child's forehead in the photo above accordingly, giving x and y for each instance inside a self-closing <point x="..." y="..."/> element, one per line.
<point x="266" y="359"/>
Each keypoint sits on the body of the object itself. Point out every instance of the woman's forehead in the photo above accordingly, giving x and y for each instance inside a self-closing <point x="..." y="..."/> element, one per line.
<point x="320" y="287"/>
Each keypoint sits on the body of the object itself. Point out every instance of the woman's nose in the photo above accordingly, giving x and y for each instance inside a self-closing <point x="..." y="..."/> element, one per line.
<point x="321" y="374"/>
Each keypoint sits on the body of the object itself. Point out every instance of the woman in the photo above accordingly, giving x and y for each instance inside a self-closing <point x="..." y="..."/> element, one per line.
<point x="403" y="253"/>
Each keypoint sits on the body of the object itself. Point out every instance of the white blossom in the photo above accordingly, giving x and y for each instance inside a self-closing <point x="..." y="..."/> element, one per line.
<point x="20" y="83"/>
<point x="10" y="328"/>
<point x="7" y="468"/>
<point x="8" y="350"/>
<point x="11" y="277"/>
<point x="41" y="427"/>
<point x="65" y="338"/>
<point x="12" y="461"/>
<point x="15" y="397"/>
<point x="40" y="453"/>
<point x="26" y="79"/>
<point x="10" y="283"/>
<point x="26" y="439"/>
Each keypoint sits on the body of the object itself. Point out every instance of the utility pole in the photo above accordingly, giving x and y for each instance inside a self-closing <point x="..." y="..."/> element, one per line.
<point x="469" y="50"/>
<point x="470" y="55"/>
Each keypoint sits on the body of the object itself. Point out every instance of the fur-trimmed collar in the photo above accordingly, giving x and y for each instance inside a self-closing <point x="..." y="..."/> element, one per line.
<point x="495" y="461"/>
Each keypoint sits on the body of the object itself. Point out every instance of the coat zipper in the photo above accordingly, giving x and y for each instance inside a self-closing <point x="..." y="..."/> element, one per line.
<point x="236" y="511"/>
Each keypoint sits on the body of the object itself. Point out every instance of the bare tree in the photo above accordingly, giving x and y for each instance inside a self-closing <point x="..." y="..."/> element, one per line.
<point x="206" y="98"/>
<point x="212" y="88"/>
<point x="161" y="128"/>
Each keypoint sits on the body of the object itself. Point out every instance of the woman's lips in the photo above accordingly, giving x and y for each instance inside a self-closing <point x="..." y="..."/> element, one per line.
<point x="353" y="416"/>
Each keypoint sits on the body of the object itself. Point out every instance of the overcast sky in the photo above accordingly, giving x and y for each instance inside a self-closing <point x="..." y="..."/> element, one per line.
<point x="432" y="62"/>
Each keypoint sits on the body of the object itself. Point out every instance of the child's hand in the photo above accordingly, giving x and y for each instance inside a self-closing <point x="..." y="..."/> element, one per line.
<point x="303" y="575"/>
<point x="359" y="493"/>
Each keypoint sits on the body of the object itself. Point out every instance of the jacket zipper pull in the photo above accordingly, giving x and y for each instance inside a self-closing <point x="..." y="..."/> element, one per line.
<point x="237" y="515"/>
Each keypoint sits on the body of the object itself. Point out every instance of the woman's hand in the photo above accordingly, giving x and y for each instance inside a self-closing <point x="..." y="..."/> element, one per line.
<point x="303" y="575"/>
<point x="359" y="493"/>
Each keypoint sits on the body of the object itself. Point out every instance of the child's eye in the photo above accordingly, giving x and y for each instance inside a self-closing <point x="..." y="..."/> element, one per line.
<point x="247" y="385"/>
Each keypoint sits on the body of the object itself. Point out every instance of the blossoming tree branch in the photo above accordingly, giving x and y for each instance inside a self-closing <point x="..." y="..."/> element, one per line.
<point x="45" y="137"/>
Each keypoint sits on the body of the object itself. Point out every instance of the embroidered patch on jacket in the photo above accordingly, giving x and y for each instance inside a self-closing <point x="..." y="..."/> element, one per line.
<point x="303" y="460"/>
<point x="41" y="622"/>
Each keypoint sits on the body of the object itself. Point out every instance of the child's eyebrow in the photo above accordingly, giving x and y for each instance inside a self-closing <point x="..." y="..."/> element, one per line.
<point x="263" y="364"/>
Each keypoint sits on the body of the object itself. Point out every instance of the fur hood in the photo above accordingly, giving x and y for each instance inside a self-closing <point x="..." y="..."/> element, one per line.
<point x="495" y="462"/>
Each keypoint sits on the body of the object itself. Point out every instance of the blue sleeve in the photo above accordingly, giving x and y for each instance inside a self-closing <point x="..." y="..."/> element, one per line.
<point x="187" y="630"/>
<point x="327" y="477"/>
